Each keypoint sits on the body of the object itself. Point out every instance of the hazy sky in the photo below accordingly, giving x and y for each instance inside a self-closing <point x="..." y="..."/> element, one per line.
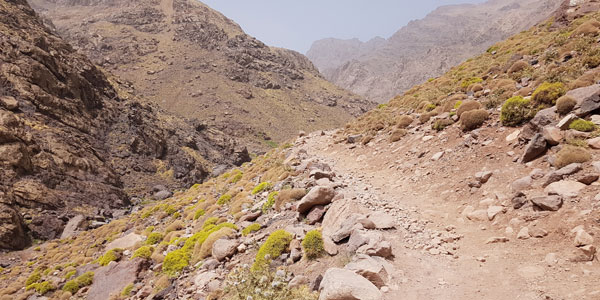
<point x="295" y="24"/>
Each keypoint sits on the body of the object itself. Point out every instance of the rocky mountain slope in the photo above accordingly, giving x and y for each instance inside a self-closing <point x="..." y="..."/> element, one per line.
<point x="196" y="63"/>
<point x="72" y="142"/>
<point x="481" y="184"/>
<point x="424" y="48"/>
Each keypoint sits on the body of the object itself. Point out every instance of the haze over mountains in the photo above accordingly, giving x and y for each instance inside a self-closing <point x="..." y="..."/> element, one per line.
<point x="380" y="69"/>
<point x="196" y="63"/>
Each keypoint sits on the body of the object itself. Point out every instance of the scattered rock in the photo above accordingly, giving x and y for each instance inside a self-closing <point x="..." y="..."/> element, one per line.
<point x="497" y="239"/>
<point x="162" y="195"/>
<point x="594" y="143"/>
<point x="478" y="215"/>
<point x="493" y="211"/>
<point x="382" y="220"/>
<point x="535" y="148"/>
<point x="564" y="123"/>
<point x="223" y="248"/>
<point x="565" y="188"/>
<point x="330" y="247"/>
<point x="376" y="246"/>
<point x="518" y="200"/>
<point x="9" y="102"/>
<point x="483" y="176"/>
<point x="587" y="179"/>
<point x="537" y="232"/>
<point x="582" y="238"/>
<point x="320" y="195"/>
<point x="521" y="184"/>
<point x="551" y="203"/>
<point x="354" y="138"/>
<point x="523" y="233"/>
<point x="340" y="284"/>
<point x="72" y="226"/>
<point x="553" y="135"/>
<point x="203" y="279"/>
<point x="298" y="281"/>
<point x="345" y="228"/>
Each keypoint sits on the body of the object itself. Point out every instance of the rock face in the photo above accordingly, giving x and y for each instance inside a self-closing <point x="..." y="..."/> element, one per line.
<point x="77" y="140"/>
<point x="340" y="284"/>
<point x="381" y="69"/>
<point x="227" y="77"/>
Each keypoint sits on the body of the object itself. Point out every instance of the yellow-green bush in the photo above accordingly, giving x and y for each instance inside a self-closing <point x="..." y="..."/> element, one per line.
<point x="175" y="261"/>
<point x="224" y="199"/>
<point x="74" y="285"/>
<point x="205" y="249"/>
<point x="70" y="274"/>
<point x="582" y="125"/>
<point x="210" y="221"/>
<point x="111" y="255"/>
<point x="252" y="228"/>
<point x="143" y="252"/>
<point x="571" y="154"/>
<point x="565" y="105"/>
<point x="473" y="119"/>
<point x="33" y="278"/>
<point x="270" y="201"/>
<point x="469" y="81"/>
<point x="547" y="93"/>
<point x="275" y="244"/>
<point x="154" y="238"/>
<point x="127" y="290"/>
<point x="515" y="111"/>
<point x="261" y="187"/>
<point x="313" y="244"/>
<point x="41" y="287"/>
<point x="169" y="209"/>
<point x="199" y="213"/>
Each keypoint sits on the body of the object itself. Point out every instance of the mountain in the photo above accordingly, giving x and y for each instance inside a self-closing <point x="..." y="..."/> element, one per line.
<point x="196" y="63"/>
<point x="73" y="141"/>
<point x="424" y="48"/>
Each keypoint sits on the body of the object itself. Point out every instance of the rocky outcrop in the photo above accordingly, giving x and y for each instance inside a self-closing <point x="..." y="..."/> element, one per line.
<point x="70" y="137"/>
<point x="226" y="78"/>
<point x="426" y="48"/>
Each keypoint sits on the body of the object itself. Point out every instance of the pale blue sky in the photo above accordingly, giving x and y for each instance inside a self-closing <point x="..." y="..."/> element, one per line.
<point x="296" y="24"/>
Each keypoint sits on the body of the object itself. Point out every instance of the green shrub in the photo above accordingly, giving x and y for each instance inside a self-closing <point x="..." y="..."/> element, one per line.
<point x="473" y="119"/>
<point x="210" y="221"/>
<point x="236" y="178"/>
<point x="70" y="274"/>
<point x="515" y="111"/>
<point x="469" y="81"/>
<point x="467" y="106"/>
<point x="169" y="209"/>
<point x="270" y="202"/>
<point x="224" y="199"/>
<point x="252" y="228"/>
<point x="261" y="187"/>
<point x="381" y="106"/>
<point x="565" y="105"/>
<point x="41" y="287"/>
<point x="175" y="261"/>
<point x="571" y="154"/>
<point x="127" y="290"/>
<point x="33" y="278"/>
<point x="71" y="286"/>
<point x="547" y="93"/>
<point x="429" y="107"/>
<point x="457" y="104"/>
<point x="440" y="124"/>
<point x="313" y="244"/>
<point x="275" y="244"/>
<point x="144" y="252"/>
<point x="111" y="255"/>
<point x="199" y="213"/>
<point x="154" y="238"/>
<point x="74" y="285"/>
<point x="583" y="125"/>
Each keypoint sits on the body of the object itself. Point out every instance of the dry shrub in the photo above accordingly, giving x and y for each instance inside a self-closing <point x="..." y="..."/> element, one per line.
<point x="473" y="119"/>
<point x="503" y="88"/>
<point x="518" y="66"/>
<point x="587" y="79"/>
<point x="476" y="88"/>
<point x="571" y="154"/>
<point x="404" y="121"/>
<point x="591" y="27"/>
<point x="286" y="196"/>
<point x="397" y="135"/>
<point x="176" y="225"/>
<point x="467" y="106"/>
<point x="565" y="104"/>
<point x="367" y="139"/>
<point x="457" y="97"/>
<point x="440" y="124"/>
<point x="448" y="106"/>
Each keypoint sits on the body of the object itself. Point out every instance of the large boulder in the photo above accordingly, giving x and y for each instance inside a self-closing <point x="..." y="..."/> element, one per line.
<point x="337" y="213"/>
<point x="113" y="278"/>
<point x="588" y="99"/>
<point x="72" y="226"/>
<point x="371" y="268"/>
<point x="12" y="229"/>
<point x="320" y="195"/>
<point x="340" y="284"/>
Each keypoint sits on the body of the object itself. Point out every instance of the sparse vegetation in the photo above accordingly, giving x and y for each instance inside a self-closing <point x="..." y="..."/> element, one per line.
<point x="270" y="201"/>
<point x="289" y="195"/>
<point x="275" y="244"/>
<point x="515" y="111"/>
<point x="243" y="284"/>
<point x="199" y="213"/>
<point x="404" y="121"/>
<point x="313" y="244"/>
<point x="224" y="199"/>
<point x="41" y="287"/>
<point x="397" y="135"/>
<point x="127" y="290"/>
<point x="74" y="285"/>
<point x="583" y="125"/>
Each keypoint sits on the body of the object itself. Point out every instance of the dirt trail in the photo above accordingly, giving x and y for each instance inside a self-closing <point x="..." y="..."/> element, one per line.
<point x="425" y="209"/>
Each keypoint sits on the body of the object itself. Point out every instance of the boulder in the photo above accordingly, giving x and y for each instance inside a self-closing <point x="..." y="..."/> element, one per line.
<point x="12" y="229"/>
<point x="9" y="102"/>
<point x="594" y="143"/>
<point x="382" y="220"/>
<point x="125" y="242"/>
<point x="341" y="284"/>
<point x="371" y="268"/>
<point x="566" y="121"/>
<point x="588" y="99"/>
<point x="203" y="279"/>
<point x="346" y="228"/>
<point x="320" y="195"/>
<point x="330" y="247"/>
<point x="224" y="248"/>
<point x="565" y="188"/>
<point x="315" y="214"/>
<point x="551" y="203"/>
<point x="582" y="238"/>
<point x="569" y="169"/>
<point x="72" y="226"/>
<point x="357" y="239"/>
<point x="162" y="195"/>
<point x="535" y="148"/>
<point x="337" y="213"/>
<point x="113" y="278"/>
<point x="319" y="174"/>
<point x="553" y="135"/>
<point x="376" y="246"/>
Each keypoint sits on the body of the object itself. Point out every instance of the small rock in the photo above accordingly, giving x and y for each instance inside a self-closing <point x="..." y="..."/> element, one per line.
<point x="497" y="239"/>
<point x="315" y="214"/>
<point x="535" y="148"/>
<point x="437" y="156"/>
<point x="354" y="138"/>
<point x="320" y="195"/>
<point x="553" y="135"/>
<point x="483" y="176"/>
<point x="382" y="220"/>
<point x="224" y="248"/>
<point x="582" y="238"/>
<point x="565" y="188"/>
<point x="537" y="232"/>
<point x="493" y="211"/>
<point x="551" y="203"/>
<point x="162" y="195"/>
<point x="521" y="184"/>
<point x="587" y="179"/>
<point x="564" y="123"/>
<point x="594" y="143"/>
<point x="523" y="233"/>
<point x="9" y="102"/>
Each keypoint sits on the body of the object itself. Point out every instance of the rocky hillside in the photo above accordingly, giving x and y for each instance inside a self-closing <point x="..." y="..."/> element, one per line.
<point x="481" y="184"/>
<point x="73" y="142"/>
<point x="424" y="48"/>
<point x="194" y="62"/>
